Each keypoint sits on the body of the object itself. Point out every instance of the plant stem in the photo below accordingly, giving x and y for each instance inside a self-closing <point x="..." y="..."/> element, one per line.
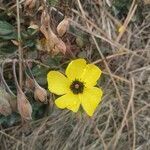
<point x="20" y="52"/>
<point x="15" y="78"/>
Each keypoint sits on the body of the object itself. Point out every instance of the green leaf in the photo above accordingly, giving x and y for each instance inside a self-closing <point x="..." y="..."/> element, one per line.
<point x="10" y="120"/>
<point x="40" y="74"/>
<point x="38" y="110"/>
<point x="5" y="28"/>
<point x="53" y="62"/>
<point x="11" y="36"/>
<point x="53" y="2"/>
<point x="7" y="47"/>
<point x="121" y="8"/>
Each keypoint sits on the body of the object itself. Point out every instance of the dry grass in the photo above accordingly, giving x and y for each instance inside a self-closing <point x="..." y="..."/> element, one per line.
<point x="122" y="121"/>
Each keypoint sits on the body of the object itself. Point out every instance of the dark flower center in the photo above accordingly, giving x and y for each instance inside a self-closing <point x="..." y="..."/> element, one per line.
<point x="77" y="87"/>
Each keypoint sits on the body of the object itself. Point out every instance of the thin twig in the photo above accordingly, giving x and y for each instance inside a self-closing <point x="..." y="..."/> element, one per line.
<point x="133" y="114"/>
<point x="124" y="118"/>
<point x="32" y="77"/>
<point x="13" y="138"/>
<point x="102" y="139"/>
<point x="15" y="77"/>
<point x="20" y="52"/>
<point x="127" y="20"/>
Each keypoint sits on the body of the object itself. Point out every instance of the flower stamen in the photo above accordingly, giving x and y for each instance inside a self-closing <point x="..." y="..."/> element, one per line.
<point x="77" y="87"/>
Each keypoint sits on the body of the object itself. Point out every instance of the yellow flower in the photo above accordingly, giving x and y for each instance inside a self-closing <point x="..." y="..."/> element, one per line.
<point x="77" y="87"/>
<point x="121" y="29"/>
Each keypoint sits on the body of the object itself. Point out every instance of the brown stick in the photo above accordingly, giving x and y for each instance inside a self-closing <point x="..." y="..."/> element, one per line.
<point x="20" y="52"/>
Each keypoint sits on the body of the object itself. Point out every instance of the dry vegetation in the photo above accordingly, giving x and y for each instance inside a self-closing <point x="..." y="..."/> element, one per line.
<point x="122" y="120"/>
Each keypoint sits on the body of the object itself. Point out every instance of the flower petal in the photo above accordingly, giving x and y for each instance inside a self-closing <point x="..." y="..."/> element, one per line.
<point x="69" y="101"/>
<point x="58" y="83"/>
<point x="75" y="69"/>
<point x="90" y="75"/>
<point x="90" y="99"/>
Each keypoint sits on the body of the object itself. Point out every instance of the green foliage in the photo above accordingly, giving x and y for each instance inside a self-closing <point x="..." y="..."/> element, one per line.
<point x="10" y="120"/>
<point x="121" y="7"/>
<point x="53" y="62"/>
<point x="39" y="110"/>
<point x="7" y="47"/>
<point x="5" y="28"/>
<point x="29" y="37"/>
<point x="40" y="74"/>
<point x="7" y="31"/>
<point x="53" y="2"/>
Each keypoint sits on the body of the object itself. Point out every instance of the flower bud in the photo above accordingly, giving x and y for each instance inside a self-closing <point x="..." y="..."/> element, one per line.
<point x="63" y="27"/>
<point x="5" y="108"/>
<point x="40" y="93"/>
<point x="12" y="101"/>
<point x="29" y="83"/>
<point x="24" y="106"/>
<point x="121" y="29"/>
